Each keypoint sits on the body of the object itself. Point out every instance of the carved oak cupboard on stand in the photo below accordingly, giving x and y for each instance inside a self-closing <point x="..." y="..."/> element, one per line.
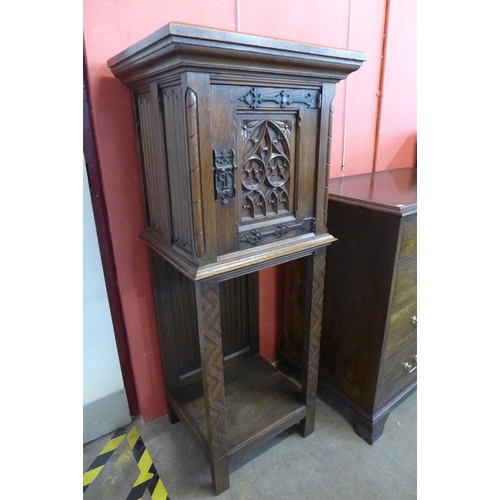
<point x="234" y="137"/>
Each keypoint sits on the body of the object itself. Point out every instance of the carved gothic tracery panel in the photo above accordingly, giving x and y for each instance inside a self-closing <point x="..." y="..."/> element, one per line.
<point x="266" y="168"/>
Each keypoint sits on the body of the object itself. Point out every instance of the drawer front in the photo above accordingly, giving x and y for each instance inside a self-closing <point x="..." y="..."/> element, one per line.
<point x="405" y="284"/>
<point x="401" y="328"/>
<point x="398" y="373"/>
<point x="409" y="237"/>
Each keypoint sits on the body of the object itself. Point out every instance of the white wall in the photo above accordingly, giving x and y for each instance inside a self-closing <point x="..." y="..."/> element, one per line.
<point x="102" y="377"/>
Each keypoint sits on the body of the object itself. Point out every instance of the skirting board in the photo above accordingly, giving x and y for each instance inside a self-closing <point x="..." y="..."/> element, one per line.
<point x="105" y="415"/>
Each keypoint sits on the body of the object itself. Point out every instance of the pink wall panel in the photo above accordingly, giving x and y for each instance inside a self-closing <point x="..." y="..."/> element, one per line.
<point x="367" y="23"/>
<point x="110" y="27"/>
<point x="398" y="127"/>
<point x="321" y="22"/>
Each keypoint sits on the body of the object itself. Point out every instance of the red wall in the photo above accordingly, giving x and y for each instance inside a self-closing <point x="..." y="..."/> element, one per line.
<point x="110" y="27"/>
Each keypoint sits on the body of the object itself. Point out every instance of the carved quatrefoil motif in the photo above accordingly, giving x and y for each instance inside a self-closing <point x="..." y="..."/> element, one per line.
<point x="266" y="170"/>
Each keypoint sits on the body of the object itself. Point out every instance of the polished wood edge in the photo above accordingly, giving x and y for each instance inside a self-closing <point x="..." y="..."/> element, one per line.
<point x="397" y="211"/>
<point x="258" y="249"/>
<point x="180" y="34"/>
<point x="243" y="262"/>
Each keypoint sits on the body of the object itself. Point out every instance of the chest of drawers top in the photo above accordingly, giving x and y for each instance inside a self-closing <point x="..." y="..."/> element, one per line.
<point x="392" y="191"/>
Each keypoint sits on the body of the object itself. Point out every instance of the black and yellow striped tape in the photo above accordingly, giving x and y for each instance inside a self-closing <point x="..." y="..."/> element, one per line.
<point x="148" y="476"/>
<point x="105" y="454"/>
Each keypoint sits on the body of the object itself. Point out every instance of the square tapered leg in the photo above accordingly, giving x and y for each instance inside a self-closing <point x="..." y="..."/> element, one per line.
<point x="208" y="308"/>
<point x="315" y="276"/>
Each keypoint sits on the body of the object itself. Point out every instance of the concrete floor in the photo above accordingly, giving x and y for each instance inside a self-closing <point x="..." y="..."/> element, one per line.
<point x="332" y="463"/>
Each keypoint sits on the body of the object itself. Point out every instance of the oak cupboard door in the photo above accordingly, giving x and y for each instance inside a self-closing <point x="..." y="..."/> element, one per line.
<point x="265" y="148"/>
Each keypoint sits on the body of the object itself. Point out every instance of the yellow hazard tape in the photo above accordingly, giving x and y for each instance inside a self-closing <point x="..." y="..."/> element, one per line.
<point x="148" y="476"/>
<point x="97" y="465"/>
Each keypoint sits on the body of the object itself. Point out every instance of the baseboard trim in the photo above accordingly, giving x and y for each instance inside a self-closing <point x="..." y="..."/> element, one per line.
<point x="105" y="415"/>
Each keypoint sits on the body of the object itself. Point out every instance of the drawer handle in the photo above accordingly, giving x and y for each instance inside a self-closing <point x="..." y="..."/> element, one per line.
<point x="410" y="368"/>
<point x="413" y="320"/>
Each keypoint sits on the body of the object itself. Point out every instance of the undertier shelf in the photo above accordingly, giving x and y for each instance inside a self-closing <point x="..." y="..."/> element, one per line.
<point x="260" y="403"/>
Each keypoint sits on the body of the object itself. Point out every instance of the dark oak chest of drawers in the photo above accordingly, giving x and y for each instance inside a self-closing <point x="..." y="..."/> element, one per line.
<point x="369" y="336"/>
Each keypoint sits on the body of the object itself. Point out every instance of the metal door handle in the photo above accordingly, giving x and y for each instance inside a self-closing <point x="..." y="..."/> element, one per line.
<point x="410" y="368"/>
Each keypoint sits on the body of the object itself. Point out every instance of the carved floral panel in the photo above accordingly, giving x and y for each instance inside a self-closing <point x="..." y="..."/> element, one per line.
<point x="266" y="168"/>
